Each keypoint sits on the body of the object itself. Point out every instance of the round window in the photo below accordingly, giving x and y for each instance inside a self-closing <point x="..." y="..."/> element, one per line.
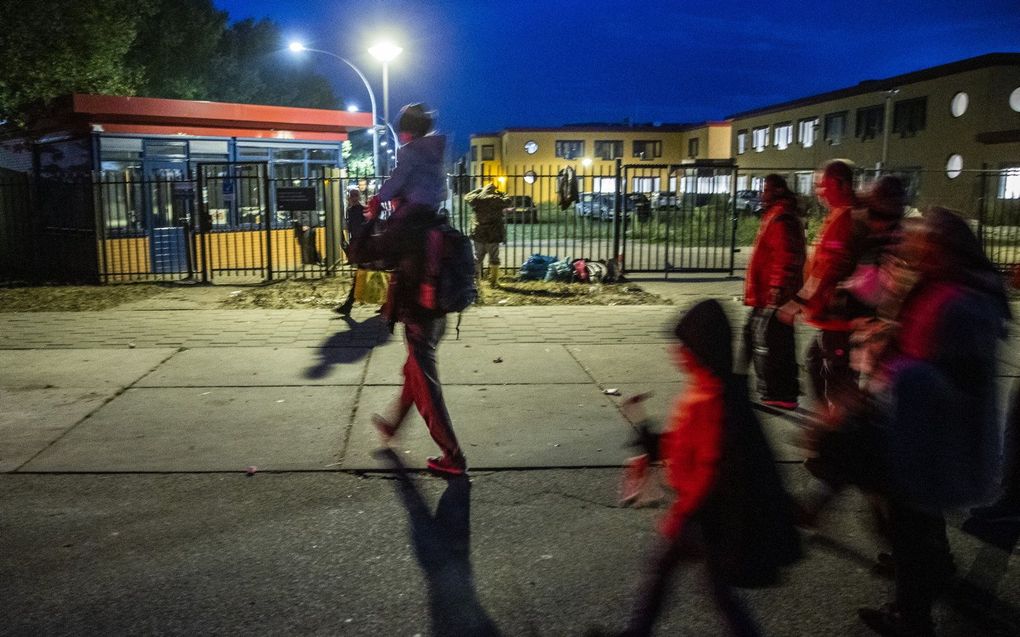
<point x="1014" y="99"/>
<point x="954" y="166"/>
<point x="529" y="177"/>
<point x="959" y="104"/>
<point x="530" y="147"/>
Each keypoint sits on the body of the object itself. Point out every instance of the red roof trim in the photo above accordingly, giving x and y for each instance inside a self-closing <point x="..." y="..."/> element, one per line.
<point x="164" y="112"/>
<point x="282" y="135"/>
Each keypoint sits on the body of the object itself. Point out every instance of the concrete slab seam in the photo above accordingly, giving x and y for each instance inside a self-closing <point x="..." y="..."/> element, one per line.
<point x="106" y="402"/>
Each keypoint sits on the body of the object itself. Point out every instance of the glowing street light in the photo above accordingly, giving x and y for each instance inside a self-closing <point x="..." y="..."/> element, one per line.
<point x="299" y="47"/>
<point x="386" y="52"/>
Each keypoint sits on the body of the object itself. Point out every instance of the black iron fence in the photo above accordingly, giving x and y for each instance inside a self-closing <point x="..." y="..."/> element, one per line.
<point x="226" y="222"/>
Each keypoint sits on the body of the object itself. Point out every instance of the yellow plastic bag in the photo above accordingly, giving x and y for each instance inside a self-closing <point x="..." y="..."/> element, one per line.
<point x="371" y="286"/>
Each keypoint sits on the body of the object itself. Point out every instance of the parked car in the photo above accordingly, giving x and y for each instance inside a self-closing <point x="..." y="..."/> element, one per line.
<point x="638" y="203"/>
<point x="664" y="199"/>
<point x="594" y="204"/>
<point x="748" y="202"/>
<point x="521" y="210"/>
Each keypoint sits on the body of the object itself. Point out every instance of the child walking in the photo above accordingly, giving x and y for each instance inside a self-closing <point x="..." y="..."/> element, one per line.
<point x="731" y="508"/>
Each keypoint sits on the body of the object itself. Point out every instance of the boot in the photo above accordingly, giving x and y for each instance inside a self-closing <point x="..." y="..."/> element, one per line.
<point x="493" y="276"/>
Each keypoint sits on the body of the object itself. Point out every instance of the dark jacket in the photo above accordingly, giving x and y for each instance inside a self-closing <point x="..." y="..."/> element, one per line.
<point x="400" y="244"/>
<point x="566" y="187"/>
<point x="419" y="178"/>
<point x="355" y="220"/>
<point x="488" y="204"/>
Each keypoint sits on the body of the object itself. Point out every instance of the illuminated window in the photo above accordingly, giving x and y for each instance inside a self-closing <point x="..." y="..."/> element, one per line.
<point x="782" y="136"/>
<point x="806" y="131"/>
<point x="959" y="103"/>
<point x="954" y="166"/>
<point x="1009" y="183"/>
<point x="530" y="147"/>
<point x="760" y="138"/>
<point x="741" y="142"/>
<point x="647" y="184"/>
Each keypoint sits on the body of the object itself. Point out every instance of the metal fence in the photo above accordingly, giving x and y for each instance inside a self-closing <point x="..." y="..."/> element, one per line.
<point x="223" y="223"/>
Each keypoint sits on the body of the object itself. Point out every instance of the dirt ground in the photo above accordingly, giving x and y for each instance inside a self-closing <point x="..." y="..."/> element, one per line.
<point x="293" y="294"/>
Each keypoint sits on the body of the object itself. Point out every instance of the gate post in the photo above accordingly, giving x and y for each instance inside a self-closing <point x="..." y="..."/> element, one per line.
<point x="733" y="217"/>
<point x="267" y="216"/>
<point x="618" y="214"/>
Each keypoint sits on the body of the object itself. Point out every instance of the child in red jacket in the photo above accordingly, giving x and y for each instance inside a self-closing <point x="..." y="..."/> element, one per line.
<point x="731" y="508"/>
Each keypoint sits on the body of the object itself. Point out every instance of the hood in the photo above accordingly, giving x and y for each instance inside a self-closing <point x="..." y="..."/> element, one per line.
<point x="424" y="150"/>
<point x="705" y="330"/>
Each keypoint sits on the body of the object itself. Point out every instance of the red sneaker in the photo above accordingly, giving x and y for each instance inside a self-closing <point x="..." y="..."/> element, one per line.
<point x="782" y="404"/>
<point x="442" y="464"/>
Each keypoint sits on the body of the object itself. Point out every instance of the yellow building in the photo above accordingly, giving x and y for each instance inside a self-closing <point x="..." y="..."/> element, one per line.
<point x="524" y="160"/>
<point x="938" y="127"/>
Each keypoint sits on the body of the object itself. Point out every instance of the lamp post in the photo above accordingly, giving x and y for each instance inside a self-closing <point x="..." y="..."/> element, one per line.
<point x="886" y="125"/>
<point x="386" y="52"/>
<point x="298" y="47"/>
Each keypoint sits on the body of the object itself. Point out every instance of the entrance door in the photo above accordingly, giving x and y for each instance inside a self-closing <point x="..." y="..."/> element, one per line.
<point x="169" y="215"/>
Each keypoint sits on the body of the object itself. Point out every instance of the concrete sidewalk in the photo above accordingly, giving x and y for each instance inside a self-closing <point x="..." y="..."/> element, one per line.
<point x="125" y="508"/>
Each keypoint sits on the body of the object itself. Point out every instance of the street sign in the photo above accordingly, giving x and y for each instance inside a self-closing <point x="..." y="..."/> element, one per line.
<point x="295" y="199"/>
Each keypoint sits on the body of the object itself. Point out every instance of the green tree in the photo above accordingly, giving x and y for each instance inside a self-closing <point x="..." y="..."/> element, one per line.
<point x="58" y="47"/>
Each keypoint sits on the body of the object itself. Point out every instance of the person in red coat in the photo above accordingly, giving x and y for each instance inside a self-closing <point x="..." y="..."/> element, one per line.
<point x="774" y="275"/>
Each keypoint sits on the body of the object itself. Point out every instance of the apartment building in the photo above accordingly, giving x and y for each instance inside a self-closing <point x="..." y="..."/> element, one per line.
<point x="937" y="127"/>
<point x="518" y="158"/>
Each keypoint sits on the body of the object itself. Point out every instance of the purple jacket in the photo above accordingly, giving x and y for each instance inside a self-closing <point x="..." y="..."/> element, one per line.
<point x="419" y="177"/>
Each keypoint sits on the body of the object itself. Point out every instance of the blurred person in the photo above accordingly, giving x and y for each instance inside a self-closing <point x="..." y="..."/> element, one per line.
<point x="418" y="186"/>
<point x="731" y="507"/>
<point x="831" y="261"/>
<point x="354" y="222"/>
<point x="774" y="275"/>
<point x="939" y="443"/>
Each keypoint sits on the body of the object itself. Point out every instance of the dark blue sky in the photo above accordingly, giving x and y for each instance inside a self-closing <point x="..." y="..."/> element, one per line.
<point x="486" y="65"/>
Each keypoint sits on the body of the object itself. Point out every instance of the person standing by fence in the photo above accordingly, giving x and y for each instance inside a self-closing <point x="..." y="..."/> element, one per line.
<point x="488" y="229"/>
<point x="354" y="220"/>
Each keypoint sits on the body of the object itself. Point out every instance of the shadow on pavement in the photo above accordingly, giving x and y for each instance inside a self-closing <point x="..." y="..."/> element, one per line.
<point x="350" y="346"/>
<point x="442" y="545"/>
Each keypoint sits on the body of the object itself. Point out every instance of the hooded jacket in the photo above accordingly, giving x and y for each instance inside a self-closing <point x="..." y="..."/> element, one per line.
<point x="721" y="465"/>
<point x="776" y="270"/>
<point x="419" y="177"/>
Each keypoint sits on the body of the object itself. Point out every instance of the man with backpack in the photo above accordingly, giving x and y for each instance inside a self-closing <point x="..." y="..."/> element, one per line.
<point x="417" y="243"/>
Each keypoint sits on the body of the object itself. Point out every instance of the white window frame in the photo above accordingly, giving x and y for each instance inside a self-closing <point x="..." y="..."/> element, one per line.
<point x="603" y="184"/>
<point x="741" y="142"/>
<point x="782" y="135"/>
<point x="646" y="184"/>
<point x="1009" y="184"/>
<point x="807" y="132"/>
<point x="760" y="138"/>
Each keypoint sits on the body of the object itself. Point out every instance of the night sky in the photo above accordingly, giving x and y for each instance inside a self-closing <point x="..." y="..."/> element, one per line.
<point x="487" y="65"/>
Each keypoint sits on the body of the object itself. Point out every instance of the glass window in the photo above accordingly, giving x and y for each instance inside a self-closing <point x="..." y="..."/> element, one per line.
<point x="604" y="184"/>
<point x="647" y="149"/>
<point x="252" y="152"/>
<point x="289" y="154"/>
<point x="806" y="129"/>
<point x="783" y="135"/>
<point x="208" y="147"/>
<point x="569" y="148"/>
<point x="1014" y="99"/>
<point x="954" y="166"/>
<point x="1009" y="183"/>
<point x="322" y="154"/>
<point x="488" y="152"/>
<point x="608" y="149"/>
<point x="530" y="147"/>
<point x="805" y="183"/>
<point x="120" y="148"/>
<point x="909" y="116"/>
<point x="474" y="153"/>
<point x="959" y="103"/>
<point x="647" y="184"/>
<point x="741" y="142"/>
<point x="835" y="127"/>
<point x="161" y="148"/>
<point x="870" y="122"/>
<point x="530" y="177"/>
<point x="760" y="138"/>
<point x="692" y="147"/>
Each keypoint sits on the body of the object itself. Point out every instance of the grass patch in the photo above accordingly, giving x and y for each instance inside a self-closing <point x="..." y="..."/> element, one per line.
<point x="74" y="298"/>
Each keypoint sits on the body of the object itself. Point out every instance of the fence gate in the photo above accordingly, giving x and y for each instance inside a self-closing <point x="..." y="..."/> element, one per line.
<point x="687" y="224"/>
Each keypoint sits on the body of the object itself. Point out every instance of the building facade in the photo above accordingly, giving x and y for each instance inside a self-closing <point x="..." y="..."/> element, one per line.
<point x="939" y="128"/>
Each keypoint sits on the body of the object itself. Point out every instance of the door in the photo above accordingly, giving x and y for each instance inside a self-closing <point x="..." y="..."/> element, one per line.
<point x="169" y="216"/>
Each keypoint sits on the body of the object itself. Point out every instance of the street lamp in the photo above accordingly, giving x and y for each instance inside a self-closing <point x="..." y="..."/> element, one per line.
<point x="298" y="47"/>
<point x="386" y="52"/>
